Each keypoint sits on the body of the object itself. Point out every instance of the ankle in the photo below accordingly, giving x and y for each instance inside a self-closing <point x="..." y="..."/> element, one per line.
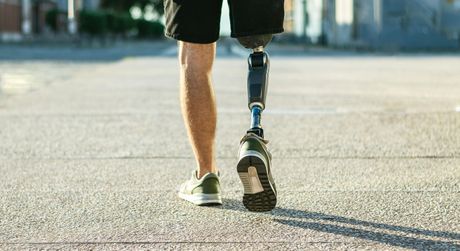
<point x="202" y="172"/>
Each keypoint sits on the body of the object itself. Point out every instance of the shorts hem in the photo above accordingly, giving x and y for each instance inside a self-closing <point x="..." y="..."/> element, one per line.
<point x="191" y="38"/>
<point x="259" y="32"/>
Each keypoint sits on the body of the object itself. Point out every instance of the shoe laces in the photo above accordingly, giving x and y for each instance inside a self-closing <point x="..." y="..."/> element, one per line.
<point x="250" y="135"/>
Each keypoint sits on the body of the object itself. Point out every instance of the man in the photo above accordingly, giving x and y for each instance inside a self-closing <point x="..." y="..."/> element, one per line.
<point x="195" y="24"/>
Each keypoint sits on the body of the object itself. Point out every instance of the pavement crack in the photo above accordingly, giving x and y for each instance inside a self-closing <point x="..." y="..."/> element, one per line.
<point x="434" y="157"/>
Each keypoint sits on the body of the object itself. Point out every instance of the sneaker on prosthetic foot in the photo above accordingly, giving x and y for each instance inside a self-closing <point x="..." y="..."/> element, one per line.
<point x="203" y="192"/>
<point x="254" y="170"/>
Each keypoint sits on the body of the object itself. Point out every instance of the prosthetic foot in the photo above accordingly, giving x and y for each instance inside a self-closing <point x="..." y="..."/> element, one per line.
<point x="254" y="158"/>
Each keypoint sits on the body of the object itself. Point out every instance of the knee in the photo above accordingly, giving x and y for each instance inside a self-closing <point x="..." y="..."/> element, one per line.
<point x="197" y="58"/>
<point x="252" y="42"/>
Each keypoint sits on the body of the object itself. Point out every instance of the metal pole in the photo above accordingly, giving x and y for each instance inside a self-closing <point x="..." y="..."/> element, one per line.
<point x="26" y="19"/>
<point x="305" y="20"/>
<point x="72" y="26"/>
<point x="378" y="15"/>
<point x="256" y="113"/>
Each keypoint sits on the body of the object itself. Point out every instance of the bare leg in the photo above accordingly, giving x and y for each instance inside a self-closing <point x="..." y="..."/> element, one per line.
<point x="198" y="102"/>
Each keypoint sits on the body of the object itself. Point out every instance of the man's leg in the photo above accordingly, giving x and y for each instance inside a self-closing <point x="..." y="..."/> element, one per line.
<point x="196" y="23"/>
<point x="198" y="102"/>
<point x="253" y="22"/>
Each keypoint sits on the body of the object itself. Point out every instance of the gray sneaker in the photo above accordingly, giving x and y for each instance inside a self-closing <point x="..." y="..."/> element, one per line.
<point x="204" y="191"/>
<point x="254" y="170"/>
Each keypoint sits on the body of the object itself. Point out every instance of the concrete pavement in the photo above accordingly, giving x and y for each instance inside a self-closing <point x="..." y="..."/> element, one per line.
<point x="366" y="156"/>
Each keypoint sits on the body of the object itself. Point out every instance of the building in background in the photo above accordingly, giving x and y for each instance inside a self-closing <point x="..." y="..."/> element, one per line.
<point x="10" y="19"/>
<point x="303" y="19"/>
<point x="392" y="24"/>
<point x="24" y="18"/>
<point x="378" y="24"/>
<point x="289" y="16"/>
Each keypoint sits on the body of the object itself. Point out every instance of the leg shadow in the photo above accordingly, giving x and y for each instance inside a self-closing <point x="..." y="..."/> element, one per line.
<point x="325" y="223"/>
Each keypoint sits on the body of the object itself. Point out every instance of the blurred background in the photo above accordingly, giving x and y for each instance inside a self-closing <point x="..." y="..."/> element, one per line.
<point x="363" y="24"/>
<point x="363" y="118"/>
<point x="73" y="31"/>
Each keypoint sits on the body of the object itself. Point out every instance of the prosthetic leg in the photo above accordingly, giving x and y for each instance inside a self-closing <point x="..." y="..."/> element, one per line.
<point x="254" y="158"/>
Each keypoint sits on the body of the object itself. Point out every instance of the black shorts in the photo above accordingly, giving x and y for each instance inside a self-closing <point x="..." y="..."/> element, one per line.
<point x="198" y="21"/>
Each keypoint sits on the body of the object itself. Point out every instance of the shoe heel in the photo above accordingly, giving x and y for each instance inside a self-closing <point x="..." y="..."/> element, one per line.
<point x="258" y="196"/>
<point x="251" y="181"/>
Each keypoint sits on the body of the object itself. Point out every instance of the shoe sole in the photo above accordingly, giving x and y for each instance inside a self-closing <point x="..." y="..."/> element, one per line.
<point x="259" y="194"/>
<point x="202" y="199"/>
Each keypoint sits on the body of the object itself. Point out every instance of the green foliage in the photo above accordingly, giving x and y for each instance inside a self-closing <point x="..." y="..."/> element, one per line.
<point x="51" y="19"/>
<point x="93" y="22"/>
<point x="149" y="29"/>
<point x="101" y="22"/>
<point x="158" y="5"/>
<point x="125" y="5"/>
<point x="119" y="23"/>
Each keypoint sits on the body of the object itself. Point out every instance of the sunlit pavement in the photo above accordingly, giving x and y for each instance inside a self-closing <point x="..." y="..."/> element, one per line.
<point x="366" y="154"/>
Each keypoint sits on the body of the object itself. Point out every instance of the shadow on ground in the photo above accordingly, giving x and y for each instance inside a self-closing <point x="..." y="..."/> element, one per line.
<point x="226" y="47"/>
<point x="108" y="53"/>
<point x="74" y="53"/>
<point x="333" y="224"/>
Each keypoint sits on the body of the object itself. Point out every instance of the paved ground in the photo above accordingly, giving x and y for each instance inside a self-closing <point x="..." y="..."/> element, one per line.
<point x="366" y="155"/>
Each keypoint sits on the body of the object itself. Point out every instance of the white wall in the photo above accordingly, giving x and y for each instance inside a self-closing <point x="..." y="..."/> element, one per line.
<point x="314" y="11"/>
<point x="225" y="20"/>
